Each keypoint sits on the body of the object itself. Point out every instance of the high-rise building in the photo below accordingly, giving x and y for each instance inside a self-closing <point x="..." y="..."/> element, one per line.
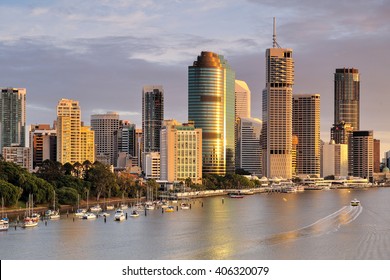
<point x="73" y="139"/>
<point x="181" y="152"/>
<point x="87" y="144"/>
<point x="248" y="149"/>
<point x="152" y="117"/>
<point x="277" y="112"/>
<point x="211" y="107"/>
<point x="306" y="126"/>
<point x="242" y="100"/>
<point x="43" y="144"/>
<point x="362" y="150"/>
<point x="12" y="117"/>
<point x="334" y="159"/>
<point x="139" y="145"/>
<point x="347" y="97"/>
<point x="377" y="155"/>
<point x="125" y="141"/>
<point x="104" y="126"/>
<point x="341" y="133"/>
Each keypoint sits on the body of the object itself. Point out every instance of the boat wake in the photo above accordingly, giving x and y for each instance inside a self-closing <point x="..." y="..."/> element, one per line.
<point x="330" y="223"/>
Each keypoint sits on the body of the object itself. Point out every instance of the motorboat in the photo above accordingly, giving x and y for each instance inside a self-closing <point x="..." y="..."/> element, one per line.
<point x="89" y="216"/>
<point x="52" y="214"/>
<point x="149" y="205"/>
<point x="4" y="225"/>
<point x="355" y="202"/>
<point x="170" y="209"/>
<point x="80" y="212"/>
<point x="184" y="206"/>
<point x="96" y="208"/>
<point x="134" y="213"/>
<point x="124" y="206"/>
<point x="119" y="215"/>
<point x="104" y="214"/>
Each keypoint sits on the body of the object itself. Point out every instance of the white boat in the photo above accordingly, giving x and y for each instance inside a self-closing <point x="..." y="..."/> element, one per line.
<point x="184" y="206"/>
<point x="4" y="222"/>
<point x="110" y="207"/>
<point x="28" y="220"/>
<point x="80" y="212"/>
<point x="134" y="213"/>
<point x="124" y="206"/>
<point x="355" y="202"/>
<point x="53" y="214"/>
<point x="104" y="214"/>
<point x="149" y="205"/>
<point x="96" y="208"/>
<point x="4" y="225"/>
<point x="119" y="215"/>
<point x="89" y="216"/>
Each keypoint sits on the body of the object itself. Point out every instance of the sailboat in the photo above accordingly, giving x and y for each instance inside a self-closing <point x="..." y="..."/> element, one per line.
<point x="4" y="223"/>
<point x="79" y="212"/>
<point x="88" y="215"/>
<point x="123" y="205"/>
<point x="109" y="206"/>
<point x="53" y="214"/>
<point x="30" y="221"/>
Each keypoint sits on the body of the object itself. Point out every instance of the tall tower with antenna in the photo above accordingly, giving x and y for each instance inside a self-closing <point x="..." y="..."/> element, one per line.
<point x="277" y="111"/>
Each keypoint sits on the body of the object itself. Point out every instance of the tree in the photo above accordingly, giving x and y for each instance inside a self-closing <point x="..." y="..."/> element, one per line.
<point x="10" y="193"/>
<point x="68" y="168"/>
<point x="101" y="179"/>
<point x="50" y="170"/>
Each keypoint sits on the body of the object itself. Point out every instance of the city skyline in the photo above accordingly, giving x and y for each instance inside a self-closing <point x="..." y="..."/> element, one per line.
<point x="120" y="46"/>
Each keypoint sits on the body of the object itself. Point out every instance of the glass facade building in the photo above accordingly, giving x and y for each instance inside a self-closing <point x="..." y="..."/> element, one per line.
<point x="12" y="117"/>
<point x="211" y="101"/>
<point x="347" y="97"/>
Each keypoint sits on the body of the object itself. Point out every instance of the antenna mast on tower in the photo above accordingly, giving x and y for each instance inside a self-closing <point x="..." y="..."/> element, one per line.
<point x="274" y="43"/>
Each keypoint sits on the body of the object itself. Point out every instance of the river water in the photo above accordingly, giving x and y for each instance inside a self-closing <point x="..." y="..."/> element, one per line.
<point x="309" y="225"/>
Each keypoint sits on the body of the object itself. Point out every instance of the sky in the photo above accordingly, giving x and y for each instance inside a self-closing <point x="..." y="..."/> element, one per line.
<point x="102" y="52"/>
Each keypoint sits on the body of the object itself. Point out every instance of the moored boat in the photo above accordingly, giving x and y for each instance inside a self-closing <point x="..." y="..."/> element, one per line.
<point x="96" y="208"/>
<point x="170" y="209"/>
<point x="119" y="215"/>
<point x="134" y="213"/>
<point x="4" y="225"/>
<point x="184" y="206"/>
<point x="89" y="216"/>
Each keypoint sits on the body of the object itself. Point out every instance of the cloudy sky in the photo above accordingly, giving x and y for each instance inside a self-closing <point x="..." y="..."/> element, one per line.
<point x="102" y="52"/>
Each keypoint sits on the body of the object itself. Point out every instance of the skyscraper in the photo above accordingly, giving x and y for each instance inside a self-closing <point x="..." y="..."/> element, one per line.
<point x="104" y="126"/>
<point x="75" y="143"/>
<point x="248" y="145"/>
<point x="347" y="97"/>
<point x="306" y="126"/>
<point x="335" y="160"/>
<point x="277" y="112"/>
<point x="242" y="100"/>
<point x="362" y="151"/>
<point x="211" y="107"/>
<point x="125" y="141"/>
<point x="12" y="117"/>
<point x="152" y="117"/>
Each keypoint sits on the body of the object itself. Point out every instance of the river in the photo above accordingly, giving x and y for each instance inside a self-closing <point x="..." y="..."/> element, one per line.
<point x="298" y="226"/>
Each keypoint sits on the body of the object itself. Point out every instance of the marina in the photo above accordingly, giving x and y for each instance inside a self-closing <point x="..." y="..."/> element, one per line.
<point x="301" y="225"/>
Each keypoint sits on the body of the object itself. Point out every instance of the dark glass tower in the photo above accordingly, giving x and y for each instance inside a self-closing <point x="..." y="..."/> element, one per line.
<point x="211" y="106"/>
<point x="347" y="97"/>
<point x="152" y="117"/>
